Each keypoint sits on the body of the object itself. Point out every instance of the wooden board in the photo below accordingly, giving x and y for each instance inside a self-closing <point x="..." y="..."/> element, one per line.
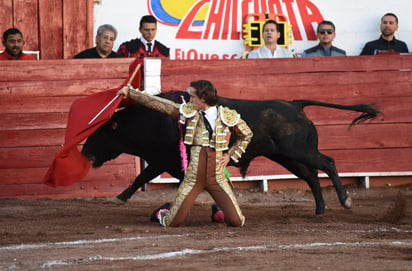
<point x="39" y="156"/>
<point x="51" y="29"/>
<point x="122" y="172"/>
<point x="368" y="160"/>
<point x="22" y="113"/>
<point x="58" y="29"/>
<point x="29" y="121"/>
<point x="6" y="15"/>
<point x="371" y="136"/>
<point x="394" y="109"/>
<point x="79" y="189"/>
<point x="75" y="22"/>
<point x="246" y="84"/>
<point x="36" y="98"/>
<point x="57" y="88"/>
<point x="30" y="138"/>
<point x="57" y="70"/>
<point x="26" y="20"/>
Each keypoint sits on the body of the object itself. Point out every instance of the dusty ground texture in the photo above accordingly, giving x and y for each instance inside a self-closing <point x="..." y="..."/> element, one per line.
<point x="281" y="233"/>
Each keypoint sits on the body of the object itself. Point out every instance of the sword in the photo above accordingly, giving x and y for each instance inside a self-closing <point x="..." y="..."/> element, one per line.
<point x="117" y="96"/>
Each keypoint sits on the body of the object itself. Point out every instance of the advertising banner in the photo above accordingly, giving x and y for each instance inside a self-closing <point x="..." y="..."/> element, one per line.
<point x="213" y="29"/>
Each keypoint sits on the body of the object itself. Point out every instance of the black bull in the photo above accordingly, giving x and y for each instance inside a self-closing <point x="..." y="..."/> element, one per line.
<point x="282" y="133"/>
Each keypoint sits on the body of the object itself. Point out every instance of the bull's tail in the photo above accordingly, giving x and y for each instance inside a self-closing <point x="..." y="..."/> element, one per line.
<point x="369" y="111"/>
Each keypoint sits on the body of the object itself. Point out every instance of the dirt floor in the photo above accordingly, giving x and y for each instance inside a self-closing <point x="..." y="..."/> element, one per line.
<point x="281" y="233"/>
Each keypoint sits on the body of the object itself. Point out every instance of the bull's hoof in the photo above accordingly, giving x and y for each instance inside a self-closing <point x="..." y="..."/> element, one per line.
<point x="348" y="203"/>
<point x="320" y="210"/>
<point x="319" y="213"/>
<point x="122" y="198"/>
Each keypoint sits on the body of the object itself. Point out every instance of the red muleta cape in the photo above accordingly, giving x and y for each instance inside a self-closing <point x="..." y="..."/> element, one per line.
<point x="70" y="166"/>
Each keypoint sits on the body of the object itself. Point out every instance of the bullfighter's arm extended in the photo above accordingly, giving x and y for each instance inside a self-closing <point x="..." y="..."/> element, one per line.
<point x="154" y="102"/>
<point x="244" y="134"/>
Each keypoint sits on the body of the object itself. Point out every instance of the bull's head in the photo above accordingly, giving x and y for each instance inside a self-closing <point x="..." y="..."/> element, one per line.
<point x="101" y="146"/>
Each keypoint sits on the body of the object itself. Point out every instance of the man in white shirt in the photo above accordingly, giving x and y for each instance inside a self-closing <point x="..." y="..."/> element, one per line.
<point x="271" y="33"/>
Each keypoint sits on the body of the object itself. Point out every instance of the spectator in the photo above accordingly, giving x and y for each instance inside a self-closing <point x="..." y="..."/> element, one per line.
<point x="13" y="42"/>
<point x="105" y="37"/>
<point x="271" y="33"/>
<point x="387" y="42"/>
<point x="326" y="33"/>
<point x="146" y="46"/>
<point x="208" y="129"/>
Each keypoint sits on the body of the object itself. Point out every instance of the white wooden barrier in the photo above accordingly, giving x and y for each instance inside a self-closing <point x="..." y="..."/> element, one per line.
<point x="263" y="179"/>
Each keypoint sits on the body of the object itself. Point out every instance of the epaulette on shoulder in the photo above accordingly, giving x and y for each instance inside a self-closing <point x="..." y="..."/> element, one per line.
<point x="187" y="110"/>
<point x="162" y="49"/>
<point x="132" y="45"/>
<point x="229" y="116"/>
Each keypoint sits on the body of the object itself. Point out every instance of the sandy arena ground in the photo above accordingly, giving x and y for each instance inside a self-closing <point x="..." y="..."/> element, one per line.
<point x="281" y="233"/>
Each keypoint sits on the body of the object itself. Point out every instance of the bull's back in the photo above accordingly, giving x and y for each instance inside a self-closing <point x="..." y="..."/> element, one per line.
<point x="253" y="111"/>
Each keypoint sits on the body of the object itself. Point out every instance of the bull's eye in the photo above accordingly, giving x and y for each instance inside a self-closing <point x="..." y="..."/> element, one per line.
<point x="114" y="125"/>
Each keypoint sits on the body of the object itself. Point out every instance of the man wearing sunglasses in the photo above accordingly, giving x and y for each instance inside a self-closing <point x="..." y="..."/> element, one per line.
<point x="326" y="34"/>
<point x="387" y="42"/>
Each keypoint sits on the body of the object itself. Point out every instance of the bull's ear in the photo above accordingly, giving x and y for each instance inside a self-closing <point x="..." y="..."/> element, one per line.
<point x="114" y="125"/>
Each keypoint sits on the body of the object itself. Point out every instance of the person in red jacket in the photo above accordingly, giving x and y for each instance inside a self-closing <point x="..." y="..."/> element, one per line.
<point x="146" y="46"/>
<point x="13" y="42"/>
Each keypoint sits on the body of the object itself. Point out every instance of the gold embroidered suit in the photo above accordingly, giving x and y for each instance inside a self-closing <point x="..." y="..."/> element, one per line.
<point x="203" y="172"/>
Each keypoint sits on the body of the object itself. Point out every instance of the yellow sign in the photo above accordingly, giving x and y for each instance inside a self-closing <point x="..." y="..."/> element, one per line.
<point x="252" y="30"/>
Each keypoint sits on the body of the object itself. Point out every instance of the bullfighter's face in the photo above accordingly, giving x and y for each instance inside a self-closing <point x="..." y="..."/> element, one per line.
<point x="198" y="103"/>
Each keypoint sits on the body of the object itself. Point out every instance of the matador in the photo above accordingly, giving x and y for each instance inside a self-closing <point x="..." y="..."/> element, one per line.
<point x="208" y="130"/>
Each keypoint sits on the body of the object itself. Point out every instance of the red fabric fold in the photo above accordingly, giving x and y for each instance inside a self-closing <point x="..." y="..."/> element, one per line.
<point x="70" y="166"/>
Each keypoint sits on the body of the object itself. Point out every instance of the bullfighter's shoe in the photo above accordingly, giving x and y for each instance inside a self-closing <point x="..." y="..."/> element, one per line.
<point x="154" y="218"/>
<point x="217" y="214"/>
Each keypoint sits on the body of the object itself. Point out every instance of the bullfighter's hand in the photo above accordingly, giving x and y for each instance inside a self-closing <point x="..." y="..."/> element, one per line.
<point x="224" y="160"/>
<point x="123" y="91"/>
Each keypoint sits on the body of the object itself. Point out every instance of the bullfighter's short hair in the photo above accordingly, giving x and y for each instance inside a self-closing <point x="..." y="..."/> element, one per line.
<point x="205" y="90"/>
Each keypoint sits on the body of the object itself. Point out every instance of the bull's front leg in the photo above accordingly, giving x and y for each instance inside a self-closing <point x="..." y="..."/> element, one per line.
<point x="149" y="173"/>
